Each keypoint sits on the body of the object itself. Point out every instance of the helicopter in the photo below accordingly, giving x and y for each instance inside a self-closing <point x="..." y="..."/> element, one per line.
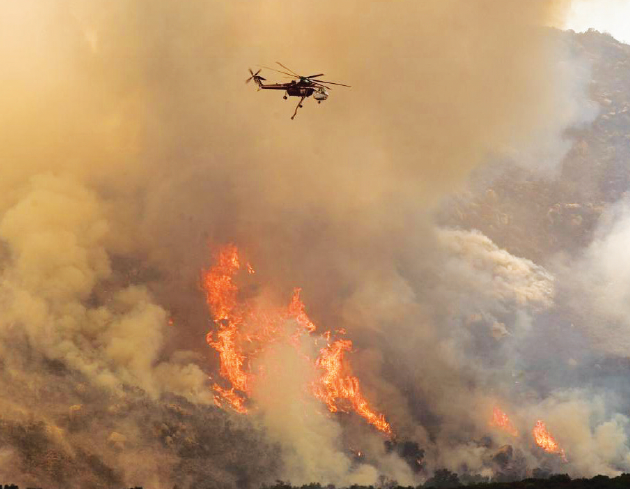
<point x="299" y="86"/>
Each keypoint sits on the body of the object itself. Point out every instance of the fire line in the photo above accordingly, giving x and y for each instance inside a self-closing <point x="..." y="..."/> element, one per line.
<point x="244" y="330"/>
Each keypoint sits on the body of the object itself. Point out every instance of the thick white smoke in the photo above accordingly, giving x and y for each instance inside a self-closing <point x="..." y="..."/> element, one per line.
<point x="599" y="290"/>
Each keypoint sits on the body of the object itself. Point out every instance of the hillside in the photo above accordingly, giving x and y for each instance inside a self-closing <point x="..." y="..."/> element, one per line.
<point x="535" y="217"/>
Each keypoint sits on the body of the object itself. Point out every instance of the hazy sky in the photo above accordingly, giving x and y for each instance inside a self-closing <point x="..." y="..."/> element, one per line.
<point x="612" y="16"/>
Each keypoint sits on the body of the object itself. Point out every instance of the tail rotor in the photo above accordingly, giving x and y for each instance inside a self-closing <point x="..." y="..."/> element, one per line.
<point x="257" y="79"/>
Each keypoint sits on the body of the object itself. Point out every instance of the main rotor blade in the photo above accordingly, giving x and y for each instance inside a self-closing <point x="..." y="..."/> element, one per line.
<point x="314" y="76"/>
<point x="288" y="69"/>
<point x="278" y="71"/>
<point x="333" y="83"/>
<point x="251" y="72"/>
<point x="318" y="85"/>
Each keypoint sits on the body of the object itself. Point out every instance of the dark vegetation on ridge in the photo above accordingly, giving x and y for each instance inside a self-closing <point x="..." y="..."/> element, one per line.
<point x="444" y="479"/>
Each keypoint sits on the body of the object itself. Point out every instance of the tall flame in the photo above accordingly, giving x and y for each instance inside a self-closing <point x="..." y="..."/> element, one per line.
<point x="337" y="385"/>
<point x="243" y="330"/>
<point x="221" y="296"/>
<point x="500" y="420"/>
<point x="545" y="441"/>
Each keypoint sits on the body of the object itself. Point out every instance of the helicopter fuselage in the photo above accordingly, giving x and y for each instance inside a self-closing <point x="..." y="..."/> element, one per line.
<point x="299" y="91"/>
<point x="302" y="86"/>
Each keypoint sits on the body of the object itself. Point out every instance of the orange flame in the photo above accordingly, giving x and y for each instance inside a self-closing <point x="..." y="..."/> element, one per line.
<point x="243" y="330"/>
<point x="337" y="384"/>
<point x="296" y="310"/>
<point x="221" y="296"/>
<point x="545" y="441"/>
<point x="500" y="420"/>
<point x="236" y="401"/>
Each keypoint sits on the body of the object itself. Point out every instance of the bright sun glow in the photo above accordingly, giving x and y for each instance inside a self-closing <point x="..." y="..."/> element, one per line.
<point x="612" y="16"/>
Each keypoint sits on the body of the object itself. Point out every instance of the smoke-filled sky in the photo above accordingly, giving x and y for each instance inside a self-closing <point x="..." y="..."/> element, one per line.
<point x="130" y="149"/>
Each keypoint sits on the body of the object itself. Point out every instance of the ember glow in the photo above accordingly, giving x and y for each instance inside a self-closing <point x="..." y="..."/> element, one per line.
<point x="545" y="441"/>
<point x="244" y="329"/>
<point x="500" y="420"/>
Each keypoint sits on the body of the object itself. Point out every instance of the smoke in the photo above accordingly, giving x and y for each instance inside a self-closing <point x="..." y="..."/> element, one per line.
<point x="486" y="272"/>
<point x="598" y="292"/>
<point x="598" y="441"/>
<point x="311" y="443"/>
<point x="130" y="147"/>
<point x="56" y="233"/>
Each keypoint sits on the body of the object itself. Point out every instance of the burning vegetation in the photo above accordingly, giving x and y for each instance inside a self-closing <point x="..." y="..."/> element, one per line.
<point x="545" y="441"/>
<point x="245" y="329"/>
<point x="500" y="420"/>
